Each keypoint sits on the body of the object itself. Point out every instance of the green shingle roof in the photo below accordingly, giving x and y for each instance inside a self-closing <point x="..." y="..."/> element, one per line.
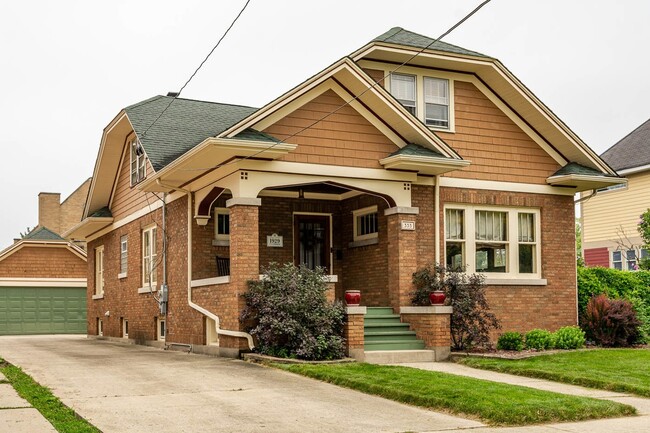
<point x="42" y="234"/>
<point x="417" y="150"/>
<point x="185" y="124"/>
<point x="103" y="212"/>
<point x="399" y="36"/>
<point x="575" y="168"/>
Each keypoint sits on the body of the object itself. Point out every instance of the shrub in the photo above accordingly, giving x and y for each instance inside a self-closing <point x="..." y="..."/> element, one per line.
<point x="511" y="341"/>
<point x="633" y="286"/>
<point x="610" y="322"/>
<point x="471" y="319"/>
<point x="539" y="339"/>
<point x="290" y="316"/>
<point x="569" y="337"/>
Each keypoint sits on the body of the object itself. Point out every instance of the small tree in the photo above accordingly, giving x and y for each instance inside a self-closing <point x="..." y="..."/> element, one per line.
<point x="290" y="315"/>
<point x="644" y="230"/>
<point x="471" y="319"/>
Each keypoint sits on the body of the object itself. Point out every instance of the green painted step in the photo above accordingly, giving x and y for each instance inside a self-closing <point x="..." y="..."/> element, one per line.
<point x="384" y="319"/>
<point x="371" y="311"/>
<point x="384" y="327"/>
<point x="377" y="336"/>
<point x="394" y="345"/>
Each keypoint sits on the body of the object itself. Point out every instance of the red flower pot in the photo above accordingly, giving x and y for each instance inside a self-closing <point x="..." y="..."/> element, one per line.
<point x="437" y="298"/>
<point x="352" y="297"/>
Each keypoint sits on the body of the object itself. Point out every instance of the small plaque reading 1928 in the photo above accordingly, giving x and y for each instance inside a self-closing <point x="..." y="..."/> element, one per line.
<point x="274" y="241"/>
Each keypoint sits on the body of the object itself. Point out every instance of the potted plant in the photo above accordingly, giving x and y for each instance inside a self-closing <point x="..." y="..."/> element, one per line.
<point x="352" y="298"/>
<point x="429" y="286"/>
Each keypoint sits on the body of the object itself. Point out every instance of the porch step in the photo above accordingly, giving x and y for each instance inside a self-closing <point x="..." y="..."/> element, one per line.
<point x="399" y="356"/>
<point x="383" y="331"/>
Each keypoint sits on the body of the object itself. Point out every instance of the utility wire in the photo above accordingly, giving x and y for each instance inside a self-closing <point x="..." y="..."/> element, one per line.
<point x="197" y="69"/>
<point x="375" y="83"/>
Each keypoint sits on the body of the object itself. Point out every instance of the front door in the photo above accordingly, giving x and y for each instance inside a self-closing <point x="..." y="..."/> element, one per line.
<point x="312" y="241"/>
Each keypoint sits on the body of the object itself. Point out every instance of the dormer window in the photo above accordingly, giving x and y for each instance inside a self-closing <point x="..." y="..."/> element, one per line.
<point x="138" y="157"/>
<point x="436" y="102"/>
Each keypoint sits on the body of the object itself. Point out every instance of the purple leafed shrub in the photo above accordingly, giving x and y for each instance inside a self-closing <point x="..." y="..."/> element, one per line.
<point x="611" y="322"/>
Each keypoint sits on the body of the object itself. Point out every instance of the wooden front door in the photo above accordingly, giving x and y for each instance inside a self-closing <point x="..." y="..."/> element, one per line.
<point x="312" y="241"/>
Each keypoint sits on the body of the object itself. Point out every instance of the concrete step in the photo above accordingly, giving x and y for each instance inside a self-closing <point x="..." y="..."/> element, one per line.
<point x="393" y="345"/>
<point x="399" y="356"/>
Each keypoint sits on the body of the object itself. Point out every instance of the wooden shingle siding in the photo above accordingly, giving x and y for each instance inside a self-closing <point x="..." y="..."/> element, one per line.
<point x="128" y="200"/>
<point x="43" y="262"/>
<point x="498" y="149"/>
<point x="344" y="138"/>
<point x="376" y="75"/>
<point x="597" y="257"/>
<point x="606" y="214"/>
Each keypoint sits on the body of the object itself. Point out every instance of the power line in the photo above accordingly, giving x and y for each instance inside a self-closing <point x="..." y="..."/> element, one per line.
<point x="375" y="83"/>
<point x="197" y="69"/>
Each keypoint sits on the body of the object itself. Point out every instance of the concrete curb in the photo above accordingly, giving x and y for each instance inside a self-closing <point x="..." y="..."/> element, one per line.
<point x="266" y="360"/>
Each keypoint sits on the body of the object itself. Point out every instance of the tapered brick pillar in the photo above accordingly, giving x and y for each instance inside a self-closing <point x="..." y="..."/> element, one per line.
<point x="244" y="263"/>
<point x="402" y="254"/>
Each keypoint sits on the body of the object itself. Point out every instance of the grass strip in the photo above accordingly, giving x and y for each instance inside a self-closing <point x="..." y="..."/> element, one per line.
<point x="492" y="402"/>
<point x="620" y="370"/>
<point x="64" y="419"/>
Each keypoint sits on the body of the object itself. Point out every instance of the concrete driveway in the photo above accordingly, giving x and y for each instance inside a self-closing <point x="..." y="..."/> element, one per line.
<point x="125" y="388"/>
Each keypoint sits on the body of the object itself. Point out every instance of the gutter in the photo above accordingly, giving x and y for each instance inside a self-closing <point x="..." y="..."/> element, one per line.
<point x="218" y="330"/>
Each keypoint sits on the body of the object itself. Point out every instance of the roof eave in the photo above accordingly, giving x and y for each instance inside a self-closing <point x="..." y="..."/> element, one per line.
<point x="422" y="164"/>
<point x="87" y="227"/>
<point x="582" y="182"/>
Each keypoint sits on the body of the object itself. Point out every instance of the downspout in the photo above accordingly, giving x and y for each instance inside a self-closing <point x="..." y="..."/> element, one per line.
<point x="436" y="209"/>
<point x="164" y="290"/>
<point x="214" y="317"/>
<point x="581" y="201"/>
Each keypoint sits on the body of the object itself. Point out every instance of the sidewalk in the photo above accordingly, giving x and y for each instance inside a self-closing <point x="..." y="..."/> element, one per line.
<point x="640" y="424"/>
<point x="18" y="416"/>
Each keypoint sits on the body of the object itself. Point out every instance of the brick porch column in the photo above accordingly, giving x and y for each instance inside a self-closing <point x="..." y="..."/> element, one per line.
<point x="244" y="263"/>
<point x="402" y="254"/>
<point x="432" y="325"/>
<point x="353" y="332"/>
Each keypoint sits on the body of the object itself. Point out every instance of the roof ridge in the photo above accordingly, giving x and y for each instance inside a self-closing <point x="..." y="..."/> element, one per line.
<point x="434" y="41"/>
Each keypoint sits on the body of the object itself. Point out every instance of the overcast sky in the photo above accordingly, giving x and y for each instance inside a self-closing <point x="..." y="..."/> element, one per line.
<point x="68" y="67"/>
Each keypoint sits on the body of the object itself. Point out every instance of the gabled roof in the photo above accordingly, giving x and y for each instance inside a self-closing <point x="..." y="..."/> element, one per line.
<point x="417" y="150"/>
<point x="185" y="124"/>
<point x="631" y="151"/>
<point x="42" y="234"/>
<point x="399" y="36"/>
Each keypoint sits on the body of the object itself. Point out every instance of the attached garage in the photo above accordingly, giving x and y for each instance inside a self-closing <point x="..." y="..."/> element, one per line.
<point x="42" y="310"/>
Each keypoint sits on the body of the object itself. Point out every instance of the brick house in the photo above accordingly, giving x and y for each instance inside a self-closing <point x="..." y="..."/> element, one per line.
<point x="450" y="159"/>
<point x="43" y="275"/>
<point x="610" y="216"/>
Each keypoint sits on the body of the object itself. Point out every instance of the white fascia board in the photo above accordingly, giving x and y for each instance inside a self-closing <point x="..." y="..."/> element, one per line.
<point x="584" y="182"/>
<point x="88" y="226"/>
<point x="42" y="282"/>
<point x="633" y="170"/>
<point x="423" y="164"/>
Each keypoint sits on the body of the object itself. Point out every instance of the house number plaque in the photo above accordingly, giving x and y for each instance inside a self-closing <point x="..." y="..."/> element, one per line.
<point x="274" y="241"/>
<point x="408" y="225"/>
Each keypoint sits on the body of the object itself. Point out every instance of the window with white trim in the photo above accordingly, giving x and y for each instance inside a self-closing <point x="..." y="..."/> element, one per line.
<point x="402" y="87"/>
<point x="123" y="257"/>
<point x="222" y="224"/>
<point x="138" y="162"/>
<point x="125" y="328"/>
<point x="630" y="256"/>
<point x="436" y="102"/>
<point x="99" y="270"/>
<point x="628" y="259"/>
<point x="366" y="223"/>
<point x="149" y="257"/>
<point x="501" y="242"/>
<point x="617" y="260"/>
<point x="100" y="327"/>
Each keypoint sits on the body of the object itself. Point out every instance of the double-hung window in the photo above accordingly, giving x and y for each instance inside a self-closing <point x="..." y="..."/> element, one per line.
<point x="500" y="242"/>
<point x="402" y="87"/>
<point x="436" y="102"/>
<point x="99" y="271"/>
<point x="138" y="160"/>
<point x="222" y="225"/>
<point x="149" y="257"/>
<point x="123" y="257"/>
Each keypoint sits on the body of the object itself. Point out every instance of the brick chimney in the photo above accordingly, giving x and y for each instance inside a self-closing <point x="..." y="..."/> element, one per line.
<point x="49" y="209"/>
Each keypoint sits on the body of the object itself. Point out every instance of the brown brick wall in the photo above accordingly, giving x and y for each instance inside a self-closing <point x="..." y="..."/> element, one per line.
<point x="402" y="259"/>
<point x="204" y="254"/>
<point x="521" y="308"/>
<point x="48" y="210"/>
<point x="422" y="198"/>
<point x="433" y="329"/>
<point x="72" y="207"/>
<point x="353" y="332"/>
<point x="35" y="261"/>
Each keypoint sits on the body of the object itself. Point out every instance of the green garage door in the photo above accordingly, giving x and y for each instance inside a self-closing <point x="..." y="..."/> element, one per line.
<point x="42" y="310"/>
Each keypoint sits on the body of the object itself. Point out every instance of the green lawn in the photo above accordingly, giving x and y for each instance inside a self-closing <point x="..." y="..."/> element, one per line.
<point x="491" y="402"/>
<point x="622" y="370"/>
<point x="59" y="415"/>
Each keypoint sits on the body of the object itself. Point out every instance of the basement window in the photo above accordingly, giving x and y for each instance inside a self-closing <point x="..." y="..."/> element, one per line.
<point x="161" y="329"/>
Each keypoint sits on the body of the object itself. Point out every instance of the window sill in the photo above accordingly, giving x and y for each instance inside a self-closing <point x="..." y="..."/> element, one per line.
<point x="220" y="242"/>
<point x="99" y="296"/>
<point x="210" y="281"/>
<point x="153" y="289"/>
<point x="122" y="275"/>
<point x="363" y="243"/>
<point x="326" y="278"/>
<point x="516" y="282"/>
<point x="439" y="129"/>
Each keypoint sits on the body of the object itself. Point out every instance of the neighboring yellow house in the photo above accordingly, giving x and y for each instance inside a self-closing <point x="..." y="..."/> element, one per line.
<point x="610" y="218"/>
